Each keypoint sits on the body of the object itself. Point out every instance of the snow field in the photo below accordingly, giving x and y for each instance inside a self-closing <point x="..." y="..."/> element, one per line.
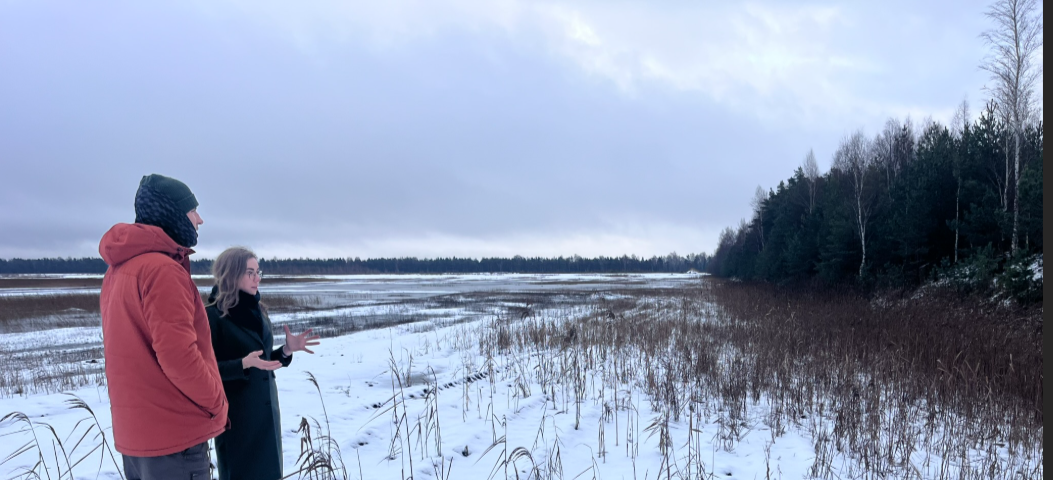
<point x="515" y="389"/>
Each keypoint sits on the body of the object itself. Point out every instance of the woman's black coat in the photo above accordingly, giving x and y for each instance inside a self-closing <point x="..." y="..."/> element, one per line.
<point x="252" y="448"/>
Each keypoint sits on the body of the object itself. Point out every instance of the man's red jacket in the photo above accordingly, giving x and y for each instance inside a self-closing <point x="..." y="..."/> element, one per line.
<point x="165" y="391"/>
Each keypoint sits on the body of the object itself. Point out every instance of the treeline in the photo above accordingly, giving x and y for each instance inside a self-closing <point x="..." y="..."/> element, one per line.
<point x="350" y="266"/>
<point x="907" y="206"/>
<point x="52" y="265"/>
<point x="517" y="264"/>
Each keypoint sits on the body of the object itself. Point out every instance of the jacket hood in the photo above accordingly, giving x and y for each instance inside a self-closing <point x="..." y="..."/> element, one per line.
<point x="126" y="241"/>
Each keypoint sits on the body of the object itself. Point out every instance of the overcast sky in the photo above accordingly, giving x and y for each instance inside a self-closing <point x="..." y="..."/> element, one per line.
<point x="450" y="128"/>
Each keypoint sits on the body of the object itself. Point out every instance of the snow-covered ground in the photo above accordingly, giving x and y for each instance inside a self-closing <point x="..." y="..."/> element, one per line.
<point x="457" y="412"/>
<point x="353" y="373"/>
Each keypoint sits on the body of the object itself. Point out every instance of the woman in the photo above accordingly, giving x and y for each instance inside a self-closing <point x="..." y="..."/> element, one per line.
<point x="241" y="333"/>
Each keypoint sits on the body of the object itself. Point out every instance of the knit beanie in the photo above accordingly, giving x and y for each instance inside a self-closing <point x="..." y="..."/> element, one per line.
<point x="164" y="202"/>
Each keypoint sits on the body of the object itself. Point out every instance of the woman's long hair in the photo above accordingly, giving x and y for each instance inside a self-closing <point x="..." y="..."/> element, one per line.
<point x="227" y="270"/>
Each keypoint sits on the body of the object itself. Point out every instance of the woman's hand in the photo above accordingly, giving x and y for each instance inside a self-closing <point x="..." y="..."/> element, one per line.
<point x="297" y="343"/>
<point x="254" y="360"/>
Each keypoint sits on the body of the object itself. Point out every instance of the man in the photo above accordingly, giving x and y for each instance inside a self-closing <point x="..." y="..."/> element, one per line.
<point x="166" y="395"/>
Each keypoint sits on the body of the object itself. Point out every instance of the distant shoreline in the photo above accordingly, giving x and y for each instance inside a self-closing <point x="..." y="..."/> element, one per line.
<point x="60" y="280"/>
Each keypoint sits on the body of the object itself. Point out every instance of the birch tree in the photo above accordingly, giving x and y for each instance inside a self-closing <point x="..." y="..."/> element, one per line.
<point x="1015" y="65"/>
<point x="894" y="148"/>
<point x="811" y="173"/>
<point x="855" y="159"/>
<point x="887" y="155"/>
<point x="959" y="131"/>
<point x="759" y="197"/>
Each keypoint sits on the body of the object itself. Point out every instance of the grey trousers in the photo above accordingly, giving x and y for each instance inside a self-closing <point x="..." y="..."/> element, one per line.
<point x="190" y="464"/>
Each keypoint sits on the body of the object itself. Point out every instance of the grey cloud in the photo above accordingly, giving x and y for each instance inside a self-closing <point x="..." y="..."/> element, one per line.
<point x="471" y="134"/>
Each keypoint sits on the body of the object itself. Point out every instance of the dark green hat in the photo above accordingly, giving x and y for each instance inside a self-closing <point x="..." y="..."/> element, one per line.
<point x="176" y="191"/>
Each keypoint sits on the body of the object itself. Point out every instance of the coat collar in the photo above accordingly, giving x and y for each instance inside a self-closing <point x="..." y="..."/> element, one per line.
<point x="246" y="315"/>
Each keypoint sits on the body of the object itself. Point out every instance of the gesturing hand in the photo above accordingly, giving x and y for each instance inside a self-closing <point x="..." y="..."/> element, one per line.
<point x="254" y="360"/>
<point x="296" y="343"/>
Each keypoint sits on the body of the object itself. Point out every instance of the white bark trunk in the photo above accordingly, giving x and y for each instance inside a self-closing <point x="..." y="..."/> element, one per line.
<point x="1005" y="187"/>
<point x="1016" y="187"/>
<point x="957" y="216"/>
<point x="862" y="226"/>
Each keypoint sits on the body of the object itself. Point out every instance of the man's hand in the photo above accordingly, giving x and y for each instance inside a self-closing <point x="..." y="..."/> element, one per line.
<point x="254" y="360"/>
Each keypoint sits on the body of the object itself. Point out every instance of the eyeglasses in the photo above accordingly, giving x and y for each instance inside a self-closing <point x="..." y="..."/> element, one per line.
<point x="254" y="273"/>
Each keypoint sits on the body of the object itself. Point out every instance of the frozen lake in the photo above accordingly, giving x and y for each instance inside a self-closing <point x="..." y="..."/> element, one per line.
<point x="399" y="286"/>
